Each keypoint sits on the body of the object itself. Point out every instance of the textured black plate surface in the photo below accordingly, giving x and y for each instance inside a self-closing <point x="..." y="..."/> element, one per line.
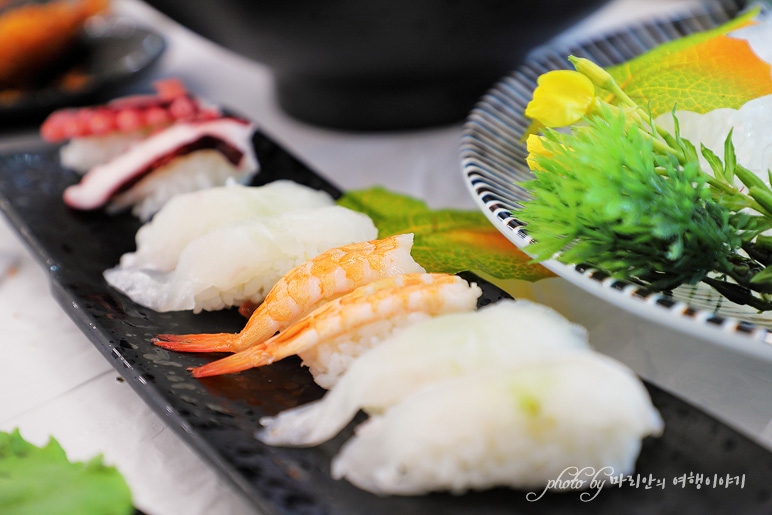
<point x="107" y="55"/>
<point x="218" y="416"/>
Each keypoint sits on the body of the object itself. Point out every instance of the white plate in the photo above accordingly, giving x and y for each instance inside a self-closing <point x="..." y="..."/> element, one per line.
<point x="493" y="163"/>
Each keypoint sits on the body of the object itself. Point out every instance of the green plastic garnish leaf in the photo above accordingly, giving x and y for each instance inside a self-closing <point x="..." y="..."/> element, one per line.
<point x="41" y="480"/>
<point x="603" y="197"/>
<point x="446" y="240"/>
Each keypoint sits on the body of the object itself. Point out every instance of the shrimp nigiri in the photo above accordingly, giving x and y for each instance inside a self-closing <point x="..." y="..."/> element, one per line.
<point x="334" y="334"/>
<point x="322" y="278"/>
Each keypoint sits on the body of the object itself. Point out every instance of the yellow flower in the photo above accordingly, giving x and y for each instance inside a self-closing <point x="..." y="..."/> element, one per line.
<point x="601" y="78"/>
<point x="561" y="98"/>
<point x="592" y="71"/>
<point x="535" y="146"/>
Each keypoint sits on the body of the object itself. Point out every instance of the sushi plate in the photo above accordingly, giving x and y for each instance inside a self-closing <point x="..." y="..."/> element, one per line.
<point x="493" y="162"/>
<point x="218" y="416"/>
<point x="109" y="53"/>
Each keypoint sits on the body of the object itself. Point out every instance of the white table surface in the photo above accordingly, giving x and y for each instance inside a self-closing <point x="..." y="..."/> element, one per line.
<point x="53" y="381"/>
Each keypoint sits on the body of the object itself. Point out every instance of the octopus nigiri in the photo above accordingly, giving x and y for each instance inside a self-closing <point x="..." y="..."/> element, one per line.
<point x="183" y="157"/>
<point x="519" y="426"/>
<point x="437" y="349"/>
<point x="97" y="134"/>
<point x="333" y="335"/>
<point x="141" y="150"/>
<point x="330" y="274"/>
<point x="241" y="261"/>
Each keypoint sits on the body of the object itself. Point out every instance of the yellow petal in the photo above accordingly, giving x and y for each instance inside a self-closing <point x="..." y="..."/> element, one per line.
<point x="561" y="98"/>
<point x="535" y="146"/>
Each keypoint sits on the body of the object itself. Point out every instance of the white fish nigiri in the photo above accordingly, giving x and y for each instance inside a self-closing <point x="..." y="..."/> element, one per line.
<point x="241" y="261"/>
<point x="189" y="216"/>
<point x="518" y="426"/>
<point x="507" y="332"/>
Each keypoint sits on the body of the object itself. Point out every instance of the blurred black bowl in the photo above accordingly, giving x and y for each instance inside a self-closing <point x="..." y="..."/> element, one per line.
<point x="375" y="64"/>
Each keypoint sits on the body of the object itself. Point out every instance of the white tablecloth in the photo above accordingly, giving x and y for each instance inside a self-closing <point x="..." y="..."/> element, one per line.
<point x="54" y="382"/>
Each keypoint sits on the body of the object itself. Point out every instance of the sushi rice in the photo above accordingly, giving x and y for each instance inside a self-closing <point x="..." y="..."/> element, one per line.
<point x="329" y="360"/>
<point x="82" y="154"/>
<point x="196" y="171"/>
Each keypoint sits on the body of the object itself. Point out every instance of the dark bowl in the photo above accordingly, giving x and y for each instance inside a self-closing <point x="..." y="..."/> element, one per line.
<point x="375" y="64"/>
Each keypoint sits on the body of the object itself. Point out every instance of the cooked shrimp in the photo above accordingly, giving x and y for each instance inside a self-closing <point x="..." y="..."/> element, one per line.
<point x="328" y="275"/>
<point x="392" y="300"/>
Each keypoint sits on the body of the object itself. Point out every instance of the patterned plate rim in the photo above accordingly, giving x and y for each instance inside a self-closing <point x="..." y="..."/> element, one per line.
<point x="491" y="156"/>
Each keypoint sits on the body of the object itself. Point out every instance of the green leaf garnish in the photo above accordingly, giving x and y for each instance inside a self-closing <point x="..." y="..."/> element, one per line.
<point x="41" y="480"/>
<point x="620" y="193"/>
<point x="604" y="197"/>
<point x="700" y="72"/>
<point x="446" y="240"/>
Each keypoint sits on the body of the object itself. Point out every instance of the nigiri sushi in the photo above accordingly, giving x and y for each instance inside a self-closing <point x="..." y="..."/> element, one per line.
<point x="188" y="216"/>
<point x="518" y="426"/>
<point x="333" y="335"/>
<point x="141" y="150"/>
<point x="322" y="278"/>
<point x="511" y="332"/>
<point x="183" y="157"/>
<point x="242" y="260"/>
<point x="97" y="134"/>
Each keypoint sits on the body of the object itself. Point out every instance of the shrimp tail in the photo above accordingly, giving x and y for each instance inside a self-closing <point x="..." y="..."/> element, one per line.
<point x="248" y="307"/>
<point x="252" y="357"/>
<point x="217" y="342"/>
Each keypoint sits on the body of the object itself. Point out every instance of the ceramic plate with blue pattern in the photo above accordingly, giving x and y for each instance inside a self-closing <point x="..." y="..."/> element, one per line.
<point x="493" y="161"/>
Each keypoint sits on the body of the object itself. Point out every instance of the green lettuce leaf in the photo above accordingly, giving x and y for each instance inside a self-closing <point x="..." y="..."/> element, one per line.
<point x="41" y="480"/>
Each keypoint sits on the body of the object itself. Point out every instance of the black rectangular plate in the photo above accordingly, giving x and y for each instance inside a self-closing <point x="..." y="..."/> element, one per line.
<point x="218" y="416"/>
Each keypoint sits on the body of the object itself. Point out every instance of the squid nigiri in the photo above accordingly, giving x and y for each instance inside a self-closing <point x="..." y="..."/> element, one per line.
<point x="511" y="332"/>
<point x="517" y="426"/>
<point x="188" y="216"/>
<point x="324" y="277"/>
<point x="242" y="260"/>
<point x="333" y="335"/>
